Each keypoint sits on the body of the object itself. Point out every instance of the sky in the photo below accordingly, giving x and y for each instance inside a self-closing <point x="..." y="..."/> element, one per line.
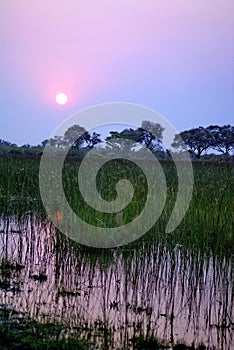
<point x="175" y="56"/>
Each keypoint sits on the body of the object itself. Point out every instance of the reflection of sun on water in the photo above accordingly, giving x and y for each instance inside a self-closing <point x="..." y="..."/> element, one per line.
<point x="58" y="215"/>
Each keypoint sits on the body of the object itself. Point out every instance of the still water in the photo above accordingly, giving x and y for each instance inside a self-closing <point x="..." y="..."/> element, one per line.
<point x="112" y="296"/>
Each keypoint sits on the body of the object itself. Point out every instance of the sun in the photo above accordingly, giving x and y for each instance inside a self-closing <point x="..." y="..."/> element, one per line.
<point x="61" y="98"/>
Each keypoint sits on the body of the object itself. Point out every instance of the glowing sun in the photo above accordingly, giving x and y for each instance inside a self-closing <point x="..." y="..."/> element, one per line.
<point x="61" y="98"/>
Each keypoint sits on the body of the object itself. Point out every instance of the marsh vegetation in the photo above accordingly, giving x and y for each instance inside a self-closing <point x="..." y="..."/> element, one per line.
<point x="157" y="292"/>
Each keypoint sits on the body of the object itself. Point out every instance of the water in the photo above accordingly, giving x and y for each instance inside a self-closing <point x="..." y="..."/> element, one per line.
<point x="113" y="296"/>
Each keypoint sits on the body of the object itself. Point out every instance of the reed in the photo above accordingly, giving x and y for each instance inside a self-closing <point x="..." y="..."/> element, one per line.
<point x="128" y="297"/>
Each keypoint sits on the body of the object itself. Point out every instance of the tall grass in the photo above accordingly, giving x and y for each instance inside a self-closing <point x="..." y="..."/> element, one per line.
<point x="207" y="225"/>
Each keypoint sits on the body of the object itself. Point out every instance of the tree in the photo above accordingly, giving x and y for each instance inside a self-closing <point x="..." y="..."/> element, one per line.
<point x="120" y="143"/>
<point x="4" y="143"/>
<point x="56" y="141"/>
<point x="196" y="140"/>
<point x="151" y="134"/>
<point x="222" y="138"/>
<point x="5" y="146"/>
<point x="125" y="139"/>
<point x="27" y="146"/>
<point x="43" y="143"/>
<point x="92" y="139"/>
<point x="78" y="137"/>
<point x="199" y="140"/>
<point x="75" y="136"/>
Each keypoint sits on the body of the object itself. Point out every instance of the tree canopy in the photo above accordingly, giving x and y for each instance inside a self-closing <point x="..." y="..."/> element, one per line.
<point x="199" y="140"/>
<point x="150" y="135"/>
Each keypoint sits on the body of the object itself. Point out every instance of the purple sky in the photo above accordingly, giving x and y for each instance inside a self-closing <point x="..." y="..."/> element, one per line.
<point x="175" y="56"/>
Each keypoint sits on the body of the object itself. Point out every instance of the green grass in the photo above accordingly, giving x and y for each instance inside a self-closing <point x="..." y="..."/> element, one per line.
<point x="207" y="225"/>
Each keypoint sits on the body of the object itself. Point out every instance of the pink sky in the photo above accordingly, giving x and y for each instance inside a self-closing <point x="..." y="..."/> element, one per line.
<point x="173" y="56"/>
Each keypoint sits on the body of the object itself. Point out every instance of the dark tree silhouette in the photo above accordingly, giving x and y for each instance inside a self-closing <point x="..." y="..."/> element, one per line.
<point x="92" y="139"/>
<point x="222" y="138"/>
<point x="199" y="140"/>
<point x="149" y="134"/>
<point x="196" y="140"/>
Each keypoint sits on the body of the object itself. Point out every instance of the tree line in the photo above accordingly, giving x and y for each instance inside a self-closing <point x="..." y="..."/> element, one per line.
<point x="219" y="139"/>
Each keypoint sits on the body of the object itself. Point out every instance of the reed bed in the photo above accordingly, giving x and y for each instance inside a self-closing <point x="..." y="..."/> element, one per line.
<point x="163" y="289"/>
